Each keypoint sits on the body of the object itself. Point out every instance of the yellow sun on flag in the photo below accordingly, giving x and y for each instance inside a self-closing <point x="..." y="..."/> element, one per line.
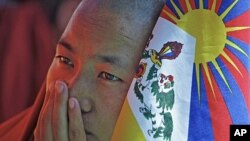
<point x="211" y="36"/>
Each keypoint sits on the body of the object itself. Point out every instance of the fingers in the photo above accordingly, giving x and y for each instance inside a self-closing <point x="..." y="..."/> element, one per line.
<point x="43" y="130"/>
<point x="59" y="116"/>
<point x="76" y="127"/>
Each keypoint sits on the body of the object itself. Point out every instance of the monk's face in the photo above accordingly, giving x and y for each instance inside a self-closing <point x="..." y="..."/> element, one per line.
<point x="97" y="58"/>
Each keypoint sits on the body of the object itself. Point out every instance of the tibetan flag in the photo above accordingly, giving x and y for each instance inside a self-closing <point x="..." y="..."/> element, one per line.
<point x="160" y="93"/>
<point x="220" y="84"/>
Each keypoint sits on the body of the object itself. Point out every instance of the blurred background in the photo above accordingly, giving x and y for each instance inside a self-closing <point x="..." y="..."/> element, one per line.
<point x="29" y="31"/>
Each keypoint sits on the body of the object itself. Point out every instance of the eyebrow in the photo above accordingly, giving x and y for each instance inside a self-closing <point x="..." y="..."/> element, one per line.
<point x="66" y="45"/>
<point x="114" y="60"/>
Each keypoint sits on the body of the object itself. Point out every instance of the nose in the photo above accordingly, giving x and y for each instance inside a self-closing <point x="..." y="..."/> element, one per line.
<point x="84" y="97"/>
<point x="83" y="89"/>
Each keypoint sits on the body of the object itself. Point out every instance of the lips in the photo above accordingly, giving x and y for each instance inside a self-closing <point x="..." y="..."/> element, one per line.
<point x="90" y="136"/>
<point x="88" y="132"/>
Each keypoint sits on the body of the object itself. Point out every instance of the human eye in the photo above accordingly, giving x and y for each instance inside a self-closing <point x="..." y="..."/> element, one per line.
<point x="65" y="60"/>
<point x="108" y="77"/>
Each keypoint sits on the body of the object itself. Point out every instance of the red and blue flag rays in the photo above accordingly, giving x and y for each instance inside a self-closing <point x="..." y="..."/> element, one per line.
<point x="220" y="92"/>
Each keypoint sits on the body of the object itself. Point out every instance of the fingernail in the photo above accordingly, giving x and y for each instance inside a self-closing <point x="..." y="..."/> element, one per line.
<point x="71" y="103"/>
<point x="59" y="86"/>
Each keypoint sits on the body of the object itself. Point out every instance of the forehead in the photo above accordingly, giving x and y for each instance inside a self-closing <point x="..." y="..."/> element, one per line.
<point x="100" y="34"/>
<point x="103" y="40"/>
<point x="126" y="19"/>
<point x="102" y="27"/>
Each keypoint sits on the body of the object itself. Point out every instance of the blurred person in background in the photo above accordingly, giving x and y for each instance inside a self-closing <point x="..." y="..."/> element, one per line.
<point x="29" y="30"/>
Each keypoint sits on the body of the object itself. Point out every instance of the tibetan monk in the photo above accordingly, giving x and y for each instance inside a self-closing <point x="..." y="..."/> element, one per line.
<point x="95" y="61"/>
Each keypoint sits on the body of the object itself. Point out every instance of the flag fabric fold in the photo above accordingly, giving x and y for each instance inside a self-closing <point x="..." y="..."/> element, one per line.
<point x="193" y="78"/>
<point x="161" y="90"/>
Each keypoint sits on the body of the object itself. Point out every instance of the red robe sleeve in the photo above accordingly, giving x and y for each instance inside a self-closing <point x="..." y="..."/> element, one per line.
<point x="21" y="127"/>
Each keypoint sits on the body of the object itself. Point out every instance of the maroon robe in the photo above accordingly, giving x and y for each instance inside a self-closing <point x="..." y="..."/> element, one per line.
<point x="21" y="127"/>
<point x="27" y="47"/>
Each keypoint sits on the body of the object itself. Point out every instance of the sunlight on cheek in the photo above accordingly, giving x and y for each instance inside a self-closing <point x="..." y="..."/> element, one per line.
<point x="58" y="72"/>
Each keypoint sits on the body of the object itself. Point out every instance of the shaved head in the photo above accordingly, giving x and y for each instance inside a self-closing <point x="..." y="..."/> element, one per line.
<point x="97" y="57"/>
<point x="132" y="18"/>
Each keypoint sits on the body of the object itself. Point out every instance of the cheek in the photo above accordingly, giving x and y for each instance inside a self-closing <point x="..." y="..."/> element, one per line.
<point x="112" y="101"/>
<point x="56" y="73"/>
<point x="50" y="75"/>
